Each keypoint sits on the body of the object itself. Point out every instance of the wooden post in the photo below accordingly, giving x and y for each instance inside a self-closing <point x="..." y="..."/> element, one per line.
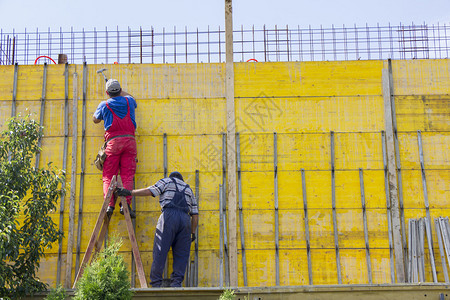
<point x="231" y="143"/>
<point x="68" y="278"/>
<point x="392" y="175"/>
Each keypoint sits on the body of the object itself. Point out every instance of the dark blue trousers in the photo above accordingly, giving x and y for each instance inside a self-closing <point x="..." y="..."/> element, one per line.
<point x="173" y="230"/>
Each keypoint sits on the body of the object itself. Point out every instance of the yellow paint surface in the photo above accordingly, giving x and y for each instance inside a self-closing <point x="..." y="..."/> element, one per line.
<point x="302" y="103"/>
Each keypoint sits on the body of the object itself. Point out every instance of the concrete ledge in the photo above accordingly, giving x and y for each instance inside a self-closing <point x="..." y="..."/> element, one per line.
<point x="386" y="291"/>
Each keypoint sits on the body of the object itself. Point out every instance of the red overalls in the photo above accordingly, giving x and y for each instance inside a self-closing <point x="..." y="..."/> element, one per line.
<point x="120" y="153"/>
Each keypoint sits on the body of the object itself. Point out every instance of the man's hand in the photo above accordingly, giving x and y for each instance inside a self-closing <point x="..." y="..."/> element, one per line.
<point x="122" y="192"/>
<point x="192" y="237"/>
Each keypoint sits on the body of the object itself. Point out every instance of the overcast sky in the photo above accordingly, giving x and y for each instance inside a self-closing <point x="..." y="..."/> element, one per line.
<point x="42" y="14"/>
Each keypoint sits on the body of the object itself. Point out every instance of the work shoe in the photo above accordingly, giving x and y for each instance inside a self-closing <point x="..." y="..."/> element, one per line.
<point x="109" y="211"/>
<point x="132" y="213"/>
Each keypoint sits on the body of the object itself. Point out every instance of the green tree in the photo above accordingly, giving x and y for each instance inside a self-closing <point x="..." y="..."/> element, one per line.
<point x="107" y="278"/>
<point x="27" y="197"/>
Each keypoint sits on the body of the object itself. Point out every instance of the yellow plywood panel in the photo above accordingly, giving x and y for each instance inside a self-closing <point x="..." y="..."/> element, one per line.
<point x="323" y="263"/>
<point x="358" y="150"/>
<point x="421" y="76"/>
<point x="304" y="151"/>
<point x="5" y="108"/>
<point x="208" y="266"/>
<point x="257" y="190"/>
<point x="257" y="152"/>
<point x="308" y="78"/>
<point x="7" y="83"/>
<point x="350" y="227"/>
<point x="377" y="226"/>
<point x="409" y="150"/>
<point x="354" y="266"/>
<point x="291" y="229"/>
<point x="290" y="194"/>
<point x="381" y="269"/>
<point x="55" y="88"/>
<point x="348" y="191"/>
<point x="374" y="189"/>
<point x="426" y="113"/>
<point x="436" y="150"/>
<point x="437" y="187"/>
<point x="198" y="152"/>
<point x="321" y="232"/>
<point x="309" y="114"/>
<point x="162" y="80"/>
<point x="260" y="268"/>
<point x="318" y="189"/>
<point x="259" y="229"/>
<point x="29" y="82"/>
<point x="293" y="267"/>
<point x="150" y="154"/>
<point x="412" y="189"/>
<point x="181" y="116"/>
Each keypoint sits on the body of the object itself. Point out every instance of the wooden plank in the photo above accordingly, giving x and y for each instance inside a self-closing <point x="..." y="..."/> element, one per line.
<point x="68" y="277"/>
<point x="95" y="233"/>
<point x="231" y="143"/>
<point x="393" y="188"/>
<point x="132" y="236"/>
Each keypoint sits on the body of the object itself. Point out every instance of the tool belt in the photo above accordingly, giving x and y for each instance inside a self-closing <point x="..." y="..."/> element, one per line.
<point x="101" y="156"/>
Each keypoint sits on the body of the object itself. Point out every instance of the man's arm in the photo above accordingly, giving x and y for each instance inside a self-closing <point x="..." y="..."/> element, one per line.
<point x="142" y="192"/>
<point x="194" y="223"/>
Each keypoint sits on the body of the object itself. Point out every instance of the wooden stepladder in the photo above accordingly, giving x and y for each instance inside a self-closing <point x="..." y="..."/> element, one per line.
<point x="97" y="237"/>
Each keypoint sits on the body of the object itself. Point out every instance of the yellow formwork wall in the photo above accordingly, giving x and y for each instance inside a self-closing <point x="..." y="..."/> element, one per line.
<point x="302" y="103"/>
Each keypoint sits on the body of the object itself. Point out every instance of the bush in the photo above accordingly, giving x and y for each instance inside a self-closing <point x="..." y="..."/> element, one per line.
<point x="227" y="295"/>
<point x="107" y="277"/>
<point x="36" y="191"/>
<point x="57" y="294"/>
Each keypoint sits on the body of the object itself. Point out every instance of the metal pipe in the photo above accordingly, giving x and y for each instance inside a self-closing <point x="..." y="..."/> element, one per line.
<point x="333" y="204"/>
<point x="308" y="246"/>
<point x="441" y="249"/>
<point x="277" y="246"/>
<point x="241" y="217"/>
<point x="83" y="168"/>
<point x="427" y="205"/>
<point x="197" y="196"/>
<point x="366" y="230"/>
<point x="165" y="163"/>
<point x="13" y="105"/>
<point x="42" y="113"/>
<point x="221" y="257"/>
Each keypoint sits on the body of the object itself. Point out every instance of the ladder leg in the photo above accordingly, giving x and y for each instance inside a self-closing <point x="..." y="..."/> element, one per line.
<point x="132" y="236"/>
<point x="100" y="221"/>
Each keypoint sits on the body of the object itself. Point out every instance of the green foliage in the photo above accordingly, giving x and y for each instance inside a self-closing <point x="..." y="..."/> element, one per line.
<point x="57" y="294"/>
<point x="227" y="295"/>
<point x="36" y="191"/>
<point x="106" y="278"/>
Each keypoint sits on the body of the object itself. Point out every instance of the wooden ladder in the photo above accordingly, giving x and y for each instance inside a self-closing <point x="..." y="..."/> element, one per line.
<point x="102" y="223"/>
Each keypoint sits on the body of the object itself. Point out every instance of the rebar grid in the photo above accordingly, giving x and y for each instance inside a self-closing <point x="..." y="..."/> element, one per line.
<point x="208" y="46"/>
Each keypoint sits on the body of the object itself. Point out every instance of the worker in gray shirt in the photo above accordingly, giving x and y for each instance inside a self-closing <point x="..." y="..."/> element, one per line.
<point x="176" y="225"/>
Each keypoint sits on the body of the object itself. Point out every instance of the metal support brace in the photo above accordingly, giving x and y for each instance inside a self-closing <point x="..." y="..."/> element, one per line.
<point x="366" y="230"/>
<point x="241" y="216"/>
<point x="197" y="196"/>
<point x="333" y="206"/>
<point x="308" y="245"/>
<point x="14" y="96"/>
<point x="42" y="113"/>
<point x="223" y="208"/>
<point x="64" y="167"/>
<point x="221" y="257"/>
<point x="277" y="245"/>
<point x="388" y="205"/>
<point x="420" y="250"/>
<point x="427" y="205"/>
<point x="165" y="166"/>
<point x="441" y="249"/>
<point x="83" y="167"/>
<point x="445" y="238"/>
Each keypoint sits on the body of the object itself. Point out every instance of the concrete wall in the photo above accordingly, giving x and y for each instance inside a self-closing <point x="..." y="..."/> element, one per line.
<point x="303" y="103"/>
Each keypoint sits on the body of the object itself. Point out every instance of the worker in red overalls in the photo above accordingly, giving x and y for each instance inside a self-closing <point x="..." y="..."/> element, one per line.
<point x="119" y="120"/>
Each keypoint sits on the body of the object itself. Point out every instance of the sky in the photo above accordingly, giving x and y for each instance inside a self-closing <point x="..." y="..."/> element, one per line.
<point x="89" y="14"/>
